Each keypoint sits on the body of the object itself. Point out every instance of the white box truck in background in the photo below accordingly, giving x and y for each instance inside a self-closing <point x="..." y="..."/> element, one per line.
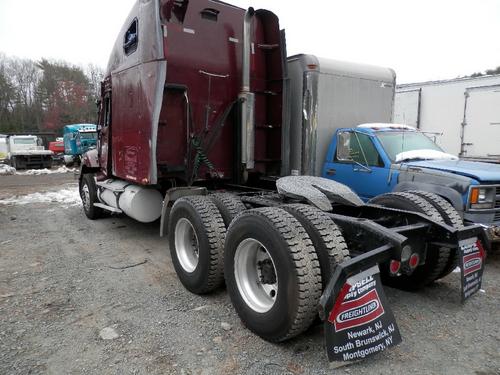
<point x="25" y="151"/>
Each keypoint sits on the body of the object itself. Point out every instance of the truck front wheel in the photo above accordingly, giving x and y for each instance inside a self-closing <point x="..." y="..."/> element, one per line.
<point x="88" y="194"/>
<point x="272" y="273"/>
<point x="196" y="240"/>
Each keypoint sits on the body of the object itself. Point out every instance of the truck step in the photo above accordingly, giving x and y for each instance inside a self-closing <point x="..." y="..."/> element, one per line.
<point x="108" y="208"/>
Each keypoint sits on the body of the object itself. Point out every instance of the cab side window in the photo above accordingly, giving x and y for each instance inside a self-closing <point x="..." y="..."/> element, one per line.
<point x="357" y="148"/>
<point x="107" y="111"/>
<point x="131" y="38"/>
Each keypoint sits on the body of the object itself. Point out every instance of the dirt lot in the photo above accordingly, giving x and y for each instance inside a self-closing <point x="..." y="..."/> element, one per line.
<point x="63" y="279"/>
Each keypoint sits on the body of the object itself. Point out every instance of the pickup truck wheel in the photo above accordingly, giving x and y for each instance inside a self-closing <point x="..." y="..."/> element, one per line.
<point x="196" y="239"/>
<point x="229" y="206"/>
<point x="325" y="235"/>
<point x="272" y="273"/>
<point x="88" y="194"/>
<point x="451" y="217"/>
<point x="436" y="259"/>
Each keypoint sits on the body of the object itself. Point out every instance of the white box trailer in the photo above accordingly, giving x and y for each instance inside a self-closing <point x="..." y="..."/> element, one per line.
<point x="465" y="112"/>
<point x="329" y="94"/>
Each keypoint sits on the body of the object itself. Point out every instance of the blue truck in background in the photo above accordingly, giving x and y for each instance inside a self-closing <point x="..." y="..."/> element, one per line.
<point x="374" y="159"/>
<point x="331" y="98"/>
<point x="78" y="139"/>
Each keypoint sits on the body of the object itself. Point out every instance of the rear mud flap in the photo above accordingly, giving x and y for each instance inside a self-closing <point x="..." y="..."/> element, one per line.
<point x="359" y="322"/>
<point x="472" y="256"/>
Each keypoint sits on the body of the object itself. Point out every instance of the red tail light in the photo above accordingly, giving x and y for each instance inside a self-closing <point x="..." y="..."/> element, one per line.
<point x="394" y="267"/>
<point x="414" y="261"/>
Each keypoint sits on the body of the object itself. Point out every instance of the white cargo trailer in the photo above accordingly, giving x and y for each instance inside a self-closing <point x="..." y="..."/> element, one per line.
<point x="464" y="112"/>
<point x="330" y="94"/>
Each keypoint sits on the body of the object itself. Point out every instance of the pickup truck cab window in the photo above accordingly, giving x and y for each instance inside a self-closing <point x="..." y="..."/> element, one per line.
<point x="358" y="148"/>
<point x="395" y="143"/>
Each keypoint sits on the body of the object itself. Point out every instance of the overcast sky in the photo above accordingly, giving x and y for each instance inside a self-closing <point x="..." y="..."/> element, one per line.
<point x="421" y="40"/>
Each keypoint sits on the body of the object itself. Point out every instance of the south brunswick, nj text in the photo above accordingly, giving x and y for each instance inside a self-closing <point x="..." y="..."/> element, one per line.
<point x="370" y="340"/>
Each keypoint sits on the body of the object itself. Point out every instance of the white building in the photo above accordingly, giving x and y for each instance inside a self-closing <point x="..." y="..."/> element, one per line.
<point x="464" y="111"/>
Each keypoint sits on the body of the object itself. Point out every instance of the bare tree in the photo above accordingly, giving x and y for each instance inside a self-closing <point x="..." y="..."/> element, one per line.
<point x="46" y="94"/>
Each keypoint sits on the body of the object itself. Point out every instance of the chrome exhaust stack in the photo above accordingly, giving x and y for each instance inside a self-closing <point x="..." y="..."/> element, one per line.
<point x="247" y="98"/>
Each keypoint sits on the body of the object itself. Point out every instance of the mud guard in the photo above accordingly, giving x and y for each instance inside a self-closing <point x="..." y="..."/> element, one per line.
<point x="358" y="321"/>
<point x="472" y="256"/>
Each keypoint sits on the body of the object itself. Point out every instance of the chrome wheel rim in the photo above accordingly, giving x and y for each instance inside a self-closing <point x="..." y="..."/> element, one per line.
<point x="85" y="197"/>
<point x="255" y="275"/>
<point x="186" y="245"/>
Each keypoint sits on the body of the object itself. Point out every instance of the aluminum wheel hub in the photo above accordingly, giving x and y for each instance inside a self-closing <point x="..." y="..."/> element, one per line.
<point x="85" y="197"/>
<point x="249" y="258"/>
<point x="186" y="245"/>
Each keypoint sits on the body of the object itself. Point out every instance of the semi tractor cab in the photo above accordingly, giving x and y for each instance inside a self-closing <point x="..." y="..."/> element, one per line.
<point x="78" y="139"/>
<point x="194" y="129"/>
<point x="378" y="158"/>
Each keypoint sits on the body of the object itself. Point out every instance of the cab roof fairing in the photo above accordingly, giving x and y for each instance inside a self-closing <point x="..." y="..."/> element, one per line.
<point x="150" y="38"/>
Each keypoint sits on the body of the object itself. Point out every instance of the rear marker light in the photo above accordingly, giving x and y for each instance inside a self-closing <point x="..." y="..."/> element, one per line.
<point x="414" y="261"/>
<point x="394" y="267"/>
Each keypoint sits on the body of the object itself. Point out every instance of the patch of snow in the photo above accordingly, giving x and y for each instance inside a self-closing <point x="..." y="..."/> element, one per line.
<point x="457" y="270"/>
<point x="36" y="172"/>
<point x="66" y="197"/>
<point x="424" y="155"/>
<point x="386" y="126"/>
<point x="6" y="170"/>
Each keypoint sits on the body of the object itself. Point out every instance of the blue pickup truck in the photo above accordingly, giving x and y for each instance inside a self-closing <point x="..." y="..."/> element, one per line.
<point x="374" y="159"/>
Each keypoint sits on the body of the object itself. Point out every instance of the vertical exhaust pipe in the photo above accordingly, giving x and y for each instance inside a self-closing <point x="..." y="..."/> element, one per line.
<point x="247" y="98"/>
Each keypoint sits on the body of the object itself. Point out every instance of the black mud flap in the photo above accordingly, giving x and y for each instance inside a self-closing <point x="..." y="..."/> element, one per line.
<point x="360" y="323"/>
<point x="472" y="256"/>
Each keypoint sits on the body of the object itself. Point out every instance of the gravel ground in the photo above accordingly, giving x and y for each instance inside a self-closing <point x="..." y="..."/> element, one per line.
<point x="70" y="305"/>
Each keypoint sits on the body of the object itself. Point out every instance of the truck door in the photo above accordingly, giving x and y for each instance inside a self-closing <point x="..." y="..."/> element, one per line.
<point x="357" y="163"/>
<point x="103" y="146"/>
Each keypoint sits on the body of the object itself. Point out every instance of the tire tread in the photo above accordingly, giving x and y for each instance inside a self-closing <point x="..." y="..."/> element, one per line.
<point x="443" y="254"/>
<point x="229" y="206"/>
<point x="216" y="231"/>
<point x="305" y="262"/>
<point x="329" y="234"/>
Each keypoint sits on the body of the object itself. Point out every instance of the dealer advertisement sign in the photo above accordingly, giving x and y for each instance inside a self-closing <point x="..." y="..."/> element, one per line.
<point x="361" y="323"/>
<point x="472" y="264"/>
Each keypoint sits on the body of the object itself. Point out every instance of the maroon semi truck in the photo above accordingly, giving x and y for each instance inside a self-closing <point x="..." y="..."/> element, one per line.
<point x="194" y="130"/>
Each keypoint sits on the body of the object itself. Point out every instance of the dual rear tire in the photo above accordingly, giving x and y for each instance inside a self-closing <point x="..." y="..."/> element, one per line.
<point x="276" y="260"/>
